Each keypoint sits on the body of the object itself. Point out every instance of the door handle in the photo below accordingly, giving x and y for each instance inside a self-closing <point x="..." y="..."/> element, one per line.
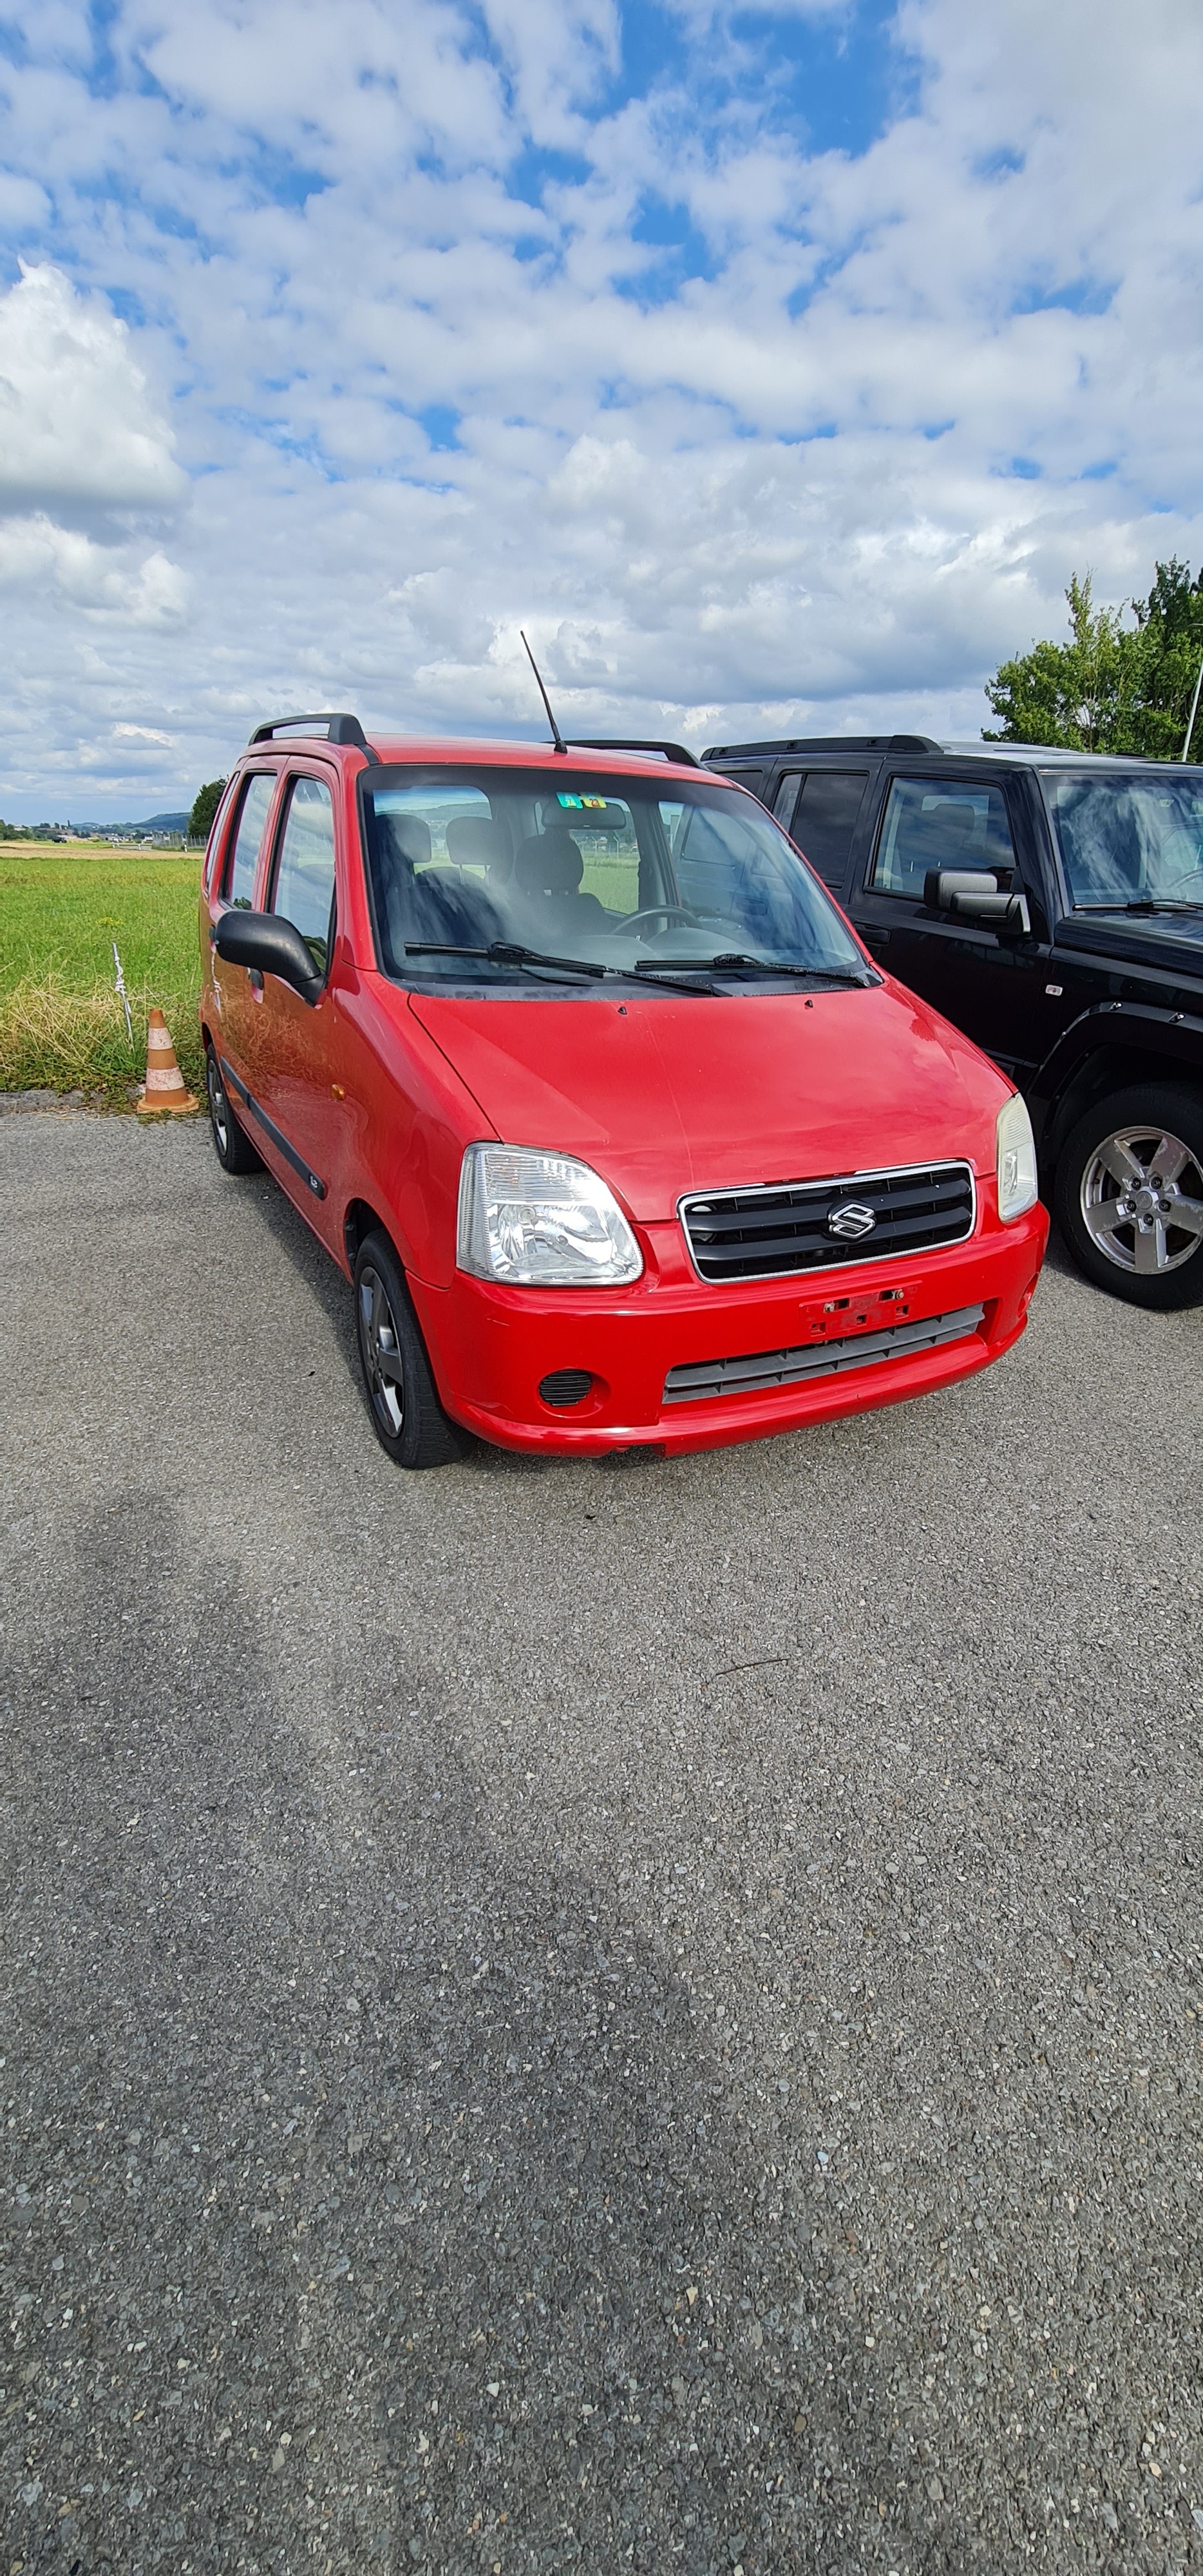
<point x="875" y="938"/>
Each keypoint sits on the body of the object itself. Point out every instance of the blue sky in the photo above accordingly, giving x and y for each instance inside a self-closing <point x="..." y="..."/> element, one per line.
<point x="775" y="367"/>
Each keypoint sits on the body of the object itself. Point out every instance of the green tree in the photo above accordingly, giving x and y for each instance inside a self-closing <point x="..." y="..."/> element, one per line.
<point x="1114" y="686"/>
<point x="204" y="807"/>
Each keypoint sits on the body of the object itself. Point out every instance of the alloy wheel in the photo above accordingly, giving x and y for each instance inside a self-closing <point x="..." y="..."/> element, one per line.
<point x="219" y="1110"/>
<point x="381" y="1351"/>
<point x="1142" y="1201"/>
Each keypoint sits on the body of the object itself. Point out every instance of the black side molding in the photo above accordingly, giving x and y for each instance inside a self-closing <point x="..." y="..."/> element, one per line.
<point x="279" y="1140"/>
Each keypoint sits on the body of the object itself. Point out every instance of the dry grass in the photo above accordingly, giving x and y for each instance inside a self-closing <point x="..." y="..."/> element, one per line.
<point x="57" y="1040"/>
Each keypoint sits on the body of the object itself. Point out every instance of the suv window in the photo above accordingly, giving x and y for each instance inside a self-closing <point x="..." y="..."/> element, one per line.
<point x="304" y="887"/>
<point x="958" y="824"/>
<point x="238" y="878"/>
<point x="825" y="819"/>
<point x="1135" y="839"/>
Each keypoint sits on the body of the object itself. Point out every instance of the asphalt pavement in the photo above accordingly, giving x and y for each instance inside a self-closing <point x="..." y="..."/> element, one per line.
<point x="583" y="2017"/>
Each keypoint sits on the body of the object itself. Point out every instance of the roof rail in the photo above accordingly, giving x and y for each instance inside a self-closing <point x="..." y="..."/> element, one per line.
<point x="617" y="742"/>
<point x="338" y="729"/>
<point x="890" y="742"/>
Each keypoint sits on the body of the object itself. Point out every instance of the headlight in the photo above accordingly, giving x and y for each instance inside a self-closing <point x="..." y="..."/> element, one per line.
<point x="541" y="1221"/>
<point x="1018" y="1187"/>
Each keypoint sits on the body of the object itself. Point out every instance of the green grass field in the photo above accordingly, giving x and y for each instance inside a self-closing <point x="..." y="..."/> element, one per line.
<point x="61" y="907"/>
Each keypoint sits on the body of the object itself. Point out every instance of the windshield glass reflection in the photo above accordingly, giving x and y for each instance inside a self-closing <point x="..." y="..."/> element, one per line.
<point x="609" y="869"/>
<point x="1128" y="839"/>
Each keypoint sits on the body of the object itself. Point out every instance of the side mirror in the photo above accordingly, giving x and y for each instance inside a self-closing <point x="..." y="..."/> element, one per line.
<point x="973" y="895"/>
<point x="269" y="945"/>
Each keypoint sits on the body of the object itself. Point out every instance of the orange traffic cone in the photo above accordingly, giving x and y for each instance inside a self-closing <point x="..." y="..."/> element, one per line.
<point x="165" y="1087"/>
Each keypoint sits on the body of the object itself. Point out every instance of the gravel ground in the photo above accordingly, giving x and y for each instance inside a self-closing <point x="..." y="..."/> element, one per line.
<point x="580" y="2017"/>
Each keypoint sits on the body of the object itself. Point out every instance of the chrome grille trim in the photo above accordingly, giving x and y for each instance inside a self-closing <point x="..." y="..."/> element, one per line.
<point x="777" y="1230"/>
<point x="754" y="1371"/>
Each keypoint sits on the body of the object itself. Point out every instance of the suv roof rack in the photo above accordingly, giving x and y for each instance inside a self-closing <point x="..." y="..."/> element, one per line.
<point x="620" y="742"/>
<point x="339" y="728"/>
<point x="828" y="742"/>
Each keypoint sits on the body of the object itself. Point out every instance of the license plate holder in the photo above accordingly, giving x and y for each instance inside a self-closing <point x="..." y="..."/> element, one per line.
<point x="867" y="1310"/>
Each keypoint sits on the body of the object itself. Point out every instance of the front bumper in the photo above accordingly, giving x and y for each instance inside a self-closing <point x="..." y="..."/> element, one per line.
<point x="491" y="1347"/>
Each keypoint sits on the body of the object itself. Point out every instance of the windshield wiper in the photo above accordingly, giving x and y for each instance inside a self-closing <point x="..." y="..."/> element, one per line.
<point x="1144" y="903"/>
<point x="505" y="952"/>
<point x="501" y="952"/>
<point x="733" y="962"/>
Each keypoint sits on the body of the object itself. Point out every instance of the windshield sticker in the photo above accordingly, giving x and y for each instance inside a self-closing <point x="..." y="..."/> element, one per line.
<point x="594" y="803"/>
<point x="570" y="800"/>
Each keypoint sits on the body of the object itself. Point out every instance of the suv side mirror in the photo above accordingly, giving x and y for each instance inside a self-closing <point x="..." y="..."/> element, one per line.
<point x="972" y="895"/>
<point x="269" y="945"/>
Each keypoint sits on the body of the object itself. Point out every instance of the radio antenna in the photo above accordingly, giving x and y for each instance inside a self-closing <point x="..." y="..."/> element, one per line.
<point x="556" y="735"/>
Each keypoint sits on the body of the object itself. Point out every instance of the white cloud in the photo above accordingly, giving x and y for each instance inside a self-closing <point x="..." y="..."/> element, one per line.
<point x="77" y="426"/>
<point x="828" y="468"/>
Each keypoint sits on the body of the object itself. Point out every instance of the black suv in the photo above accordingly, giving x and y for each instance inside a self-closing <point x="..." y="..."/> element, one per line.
<point x="1051" y="904"/>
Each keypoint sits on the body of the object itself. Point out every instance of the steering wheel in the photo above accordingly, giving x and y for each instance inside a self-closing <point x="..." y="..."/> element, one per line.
<point x="1187" y="876"/>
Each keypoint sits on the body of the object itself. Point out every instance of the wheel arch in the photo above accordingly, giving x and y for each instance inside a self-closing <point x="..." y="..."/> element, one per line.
<point x="1114" y="1050"/>
<point x="360" y="1219"/>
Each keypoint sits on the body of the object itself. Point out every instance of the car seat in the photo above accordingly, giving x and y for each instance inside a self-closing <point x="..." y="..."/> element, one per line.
<point x="475" y="841"/>
<point x="419" y="902"/>
<point x="548" y="868"/>
<point x="938" y="839"/>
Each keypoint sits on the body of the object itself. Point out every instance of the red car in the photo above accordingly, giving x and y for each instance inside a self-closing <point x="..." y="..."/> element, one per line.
<point x="587" y="1084"/>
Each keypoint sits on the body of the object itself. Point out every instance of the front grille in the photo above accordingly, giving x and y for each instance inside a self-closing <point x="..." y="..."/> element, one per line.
<point x="756" y="1370"/>
<point x="769" y="1233"/>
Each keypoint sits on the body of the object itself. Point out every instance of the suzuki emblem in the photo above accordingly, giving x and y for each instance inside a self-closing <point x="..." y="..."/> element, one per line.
<point x="851" y="1221"/>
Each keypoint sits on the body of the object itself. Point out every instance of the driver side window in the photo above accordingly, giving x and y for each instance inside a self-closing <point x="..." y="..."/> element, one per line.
<point x="939" y="823"/>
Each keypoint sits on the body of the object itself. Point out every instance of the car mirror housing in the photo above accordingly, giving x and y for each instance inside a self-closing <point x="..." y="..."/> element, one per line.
<point x="268" y="945"/>
<point x="973" y="895"/>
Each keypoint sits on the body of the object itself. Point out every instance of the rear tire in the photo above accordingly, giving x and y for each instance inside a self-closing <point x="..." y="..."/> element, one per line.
<point x="233" y="1149"/>
<point x="407" y="1417"/>
<point x="1126" y="1172"/>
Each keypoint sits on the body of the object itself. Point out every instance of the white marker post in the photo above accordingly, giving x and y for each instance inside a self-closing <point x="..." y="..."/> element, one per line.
<point x="129" y="1025"/>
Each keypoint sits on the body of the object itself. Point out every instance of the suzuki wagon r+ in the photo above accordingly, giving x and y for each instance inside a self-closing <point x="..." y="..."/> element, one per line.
<point x="582" y="1077"/>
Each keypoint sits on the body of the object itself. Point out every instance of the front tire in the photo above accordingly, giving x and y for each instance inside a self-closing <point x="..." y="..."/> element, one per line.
<point x="407" y="1417"/>
<point x="233" y="1149"/>
<point x="1129" y="1195"/>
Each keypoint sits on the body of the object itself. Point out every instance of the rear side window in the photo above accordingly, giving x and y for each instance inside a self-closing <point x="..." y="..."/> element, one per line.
<point x="955" y="825"/>
<point x="304" y="886"/>
<point x="242" y="861"/>
<point x="825" y="819"/>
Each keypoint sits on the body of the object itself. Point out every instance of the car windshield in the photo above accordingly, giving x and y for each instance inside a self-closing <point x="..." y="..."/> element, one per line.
<point x="1129" y="838"/>
<point x="623" y="872"/>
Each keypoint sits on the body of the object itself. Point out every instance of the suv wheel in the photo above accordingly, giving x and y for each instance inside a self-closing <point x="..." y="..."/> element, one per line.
<point x="233" y="1149"/>
<point x="407" y="1417"/>
<point x="1129" y="1195"/>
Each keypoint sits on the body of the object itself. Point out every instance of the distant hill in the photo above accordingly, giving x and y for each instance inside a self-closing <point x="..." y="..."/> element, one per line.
<point x="153" y="823"/>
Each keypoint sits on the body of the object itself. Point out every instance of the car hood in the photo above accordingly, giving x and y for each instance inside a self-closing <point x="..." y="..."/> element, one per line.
<point x="664" y="1095"/>
<point x="1167" y="940"/>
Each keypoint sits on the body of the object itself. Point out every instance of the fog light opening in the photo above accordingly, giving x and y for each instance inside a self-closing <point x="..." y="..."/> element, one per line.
<point x="565" y="1387"/>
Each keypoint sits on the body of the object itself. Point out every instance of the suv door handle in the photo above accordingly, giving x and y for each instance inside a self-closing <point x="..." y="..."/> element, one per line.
<point x="874" y="937"/>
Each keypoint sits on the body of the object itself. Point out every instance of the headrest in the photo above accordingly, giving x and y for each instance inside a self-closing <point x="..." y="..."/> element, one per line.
<point x="948" y="826"/>
<point x="549" y="863"/>
<point x="474" y="842"/>
<point x="405" y="837"/>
